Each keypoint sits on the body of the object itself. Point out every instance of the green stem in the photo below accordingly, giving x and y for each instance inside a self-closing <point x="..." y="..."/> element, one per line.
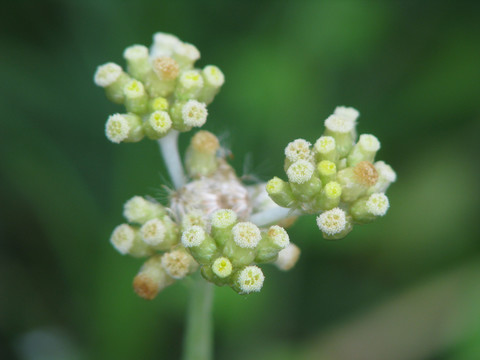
<point x="197" y="344"/>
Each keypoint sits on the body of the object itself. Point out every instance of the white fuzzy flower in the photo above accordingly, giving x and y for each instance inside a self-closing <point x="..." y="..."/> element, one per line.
<point x="250" y="279"/>
<point x="378" y="204"/>
<point x="213" y="76"/>
<point x="223" y="218"/>
<point x="298" y="149"/>
<point x="339" y="124"/>
<point x="107" y="74"/>
<point x="246" y="235"/>
<point x="300" y="171"/>
<point x="348" y="113"/>
<point x="193" y="236"/>
<point x="160" y="121"/>
<point x="194" y="113"/>
<point x="332" y="222"/>
<point x="135" y="52"/>
<point x="122" y="238"/>
<point x="153" y="232"/>
<point x="176" y="263"/>
<point x="117" y="128"/>
<point x="369" y="143"/>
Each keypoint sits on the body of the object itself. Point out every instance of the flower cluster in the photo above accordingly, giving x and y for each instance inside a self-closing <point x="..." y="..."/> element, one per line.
<point x="160" y="90"/>
<point x="213" y="222"/>
<point x="336" y="178"/>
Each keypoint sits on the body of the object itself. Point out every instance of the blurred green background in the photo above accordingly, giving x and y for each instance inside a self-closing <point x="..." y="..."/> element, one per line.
<point x="406" y="287"/>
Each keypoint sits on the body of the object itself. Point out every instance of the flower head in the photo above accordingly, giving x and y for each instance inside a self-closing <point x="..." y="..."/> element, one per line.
<point x="246" y="235"/>
<point x="378" y="204"/>
<point x="250" y="279"/>
<point x="332" y="222"/>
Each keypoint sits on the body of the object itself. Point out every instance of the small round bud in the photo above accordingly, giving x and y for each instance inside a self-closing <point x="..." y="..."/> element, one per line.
<point x="222" y="267"/>
<point x="324" y="144"/>
<point x="288" y="257"/>
<point x="191" y="79"/>
<point x="246" y="235"/>
<point x="107" y="74"/>
<point x="333" y="190"/>
<point x="121" y="127"/>
<point x="327" y="168"/>
<point x="348" y="113"/>
<point x="338" y="124"/>
<point x="159" y="103"/>
<point x="135" y="52"/>
<point x="377" y="204"/>
<point x="213" y="76"/>
<point x="194" y="113"/>
<point x="187" y="51"/>
<point x="300" y="171"/>
<point x="223" y="218"/>
<point x="298" y="149"/>
<point x="193" y="236"/>
<point x="153" y="232"/>
<point x="123" y="238"/>
<point x="369" y="143"/>
<point x="177" y="263"/>
<point x="250" y="279"/>
<point x="279" y="236"/>
<point x="205" y="142"/>
<point x="332" y="222"/>
<point x="166" y="68"/>
<point x="134" y="89"/>
<point x="160" y="122"/>
<point x="139" y="210"/>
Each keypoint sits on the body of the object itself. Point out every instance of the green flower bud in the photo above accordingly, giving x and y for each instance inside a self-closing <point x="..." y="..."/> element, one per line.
<point x="249" y="279"/>
<point x="138" y="62"/>
<point x="357" y="180"/>
<point x="241" y="249"/>
<point x="161" y="80"/>
<point x="334" y="224"/>
<point x="151" y="279"/>
<point x="186" y="115"/>
<point x="157" y="125"/>
<point x="325" y="149"/>
<point x="201" y="155"/>
<point x="126" y="240"/>
<point x="189" y="86"/>
<point x="280" y="192"/>
<point x="200" y="244"/>
<point x="124" y="128"/>
<point x="330" y="196"/>
<point x="222" y="267"/>
<point x="303" y="183"/>
<point x="178" y="263"/>
<point x="136" y="99"/>
<point x="274" y="240"/>
<point x="367" y="209"/>
<point x="213" y="80"/>
<point x="222" y="222"/>
<point x="158" y="104"/>
<point x="364" y="150"/>
<point x="160" y="234"/>
<point x="342" y="130"/>
<point x="111" y="77"/>
<point x="327" y="170"/>
<point x="139" y="210"/>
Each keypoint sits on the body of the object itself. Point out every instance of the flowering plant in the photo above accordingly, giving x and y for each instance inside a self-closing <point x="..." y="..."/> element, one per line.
<point x="214" y="224"/>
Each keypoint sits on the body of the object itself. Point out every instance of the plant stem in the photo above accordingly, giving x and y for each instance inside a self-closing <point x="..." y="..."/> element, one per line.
<point x="171" y="156"/>
<point x="197" y="343"/>
<point x="272" y="215"/>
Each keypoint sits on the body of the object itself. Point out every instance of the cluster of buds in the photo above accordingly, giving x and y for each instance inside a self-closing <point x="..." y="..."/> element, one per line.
<point x="205" y="226"/>
<point x="337" y="178"/>
<point x="160" y="89"/>
<point x="213" y="222"/>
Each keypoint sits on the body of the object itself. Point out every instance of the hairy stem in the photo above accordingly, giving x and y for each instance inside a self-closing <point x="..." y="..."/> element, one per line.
<point x="272" y="215"/>
<point x="197" y="344"/>
<point x="171" y="156"/>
